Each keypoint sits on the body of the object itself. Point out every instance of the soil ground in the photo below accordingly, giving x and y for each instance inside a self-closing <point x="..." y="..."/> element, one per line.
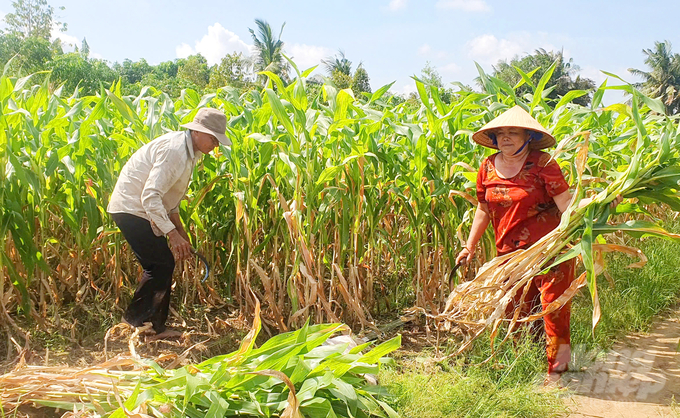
<point x="217" y="332"/>
<point x="639" y="377"/>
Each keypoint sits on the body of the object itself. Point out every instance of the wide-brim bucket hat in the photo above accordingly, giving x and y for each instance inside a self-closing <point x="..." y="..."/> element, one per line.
<point x="210" y="121"/>
<point x="515" y="117"/>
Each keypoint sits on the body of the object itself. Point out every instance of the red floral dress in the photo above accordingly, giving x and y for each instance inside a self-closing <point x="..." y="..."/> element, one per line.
<point x="522" y="211"/>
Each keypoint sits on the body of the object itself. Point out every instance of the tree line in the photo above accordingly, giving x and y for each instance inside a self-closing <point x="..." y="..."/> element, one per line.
<point x="27" y="47"/>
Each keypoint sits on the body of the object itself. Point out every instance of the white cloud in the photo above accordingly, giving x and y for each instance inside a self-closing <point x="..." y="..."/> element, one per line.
<point x="217" y="43"/>
<point x="68" y="42"/>
<point x="594" y="74"/>
<point x="599" y="77"/>
<point x="424" y="49"/>
<point x="487" y="49"/>
<point x="306" y="56"/>
<point x="427" y="51"/>
<point x="450" y="68"/>
<point x="406" y="89"/>
<point x="465" y="5"/>
<point x="184" y="50"/>
<point x="610" y="96"/>
<point x="397" y="5"/>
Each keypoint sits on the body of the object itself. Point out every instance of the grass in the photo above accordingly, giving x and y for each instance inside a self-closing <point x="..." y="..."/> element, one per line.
<point x="508" y="385"/>
<point x="504" y="387"/>
<point x="637" y="297"/>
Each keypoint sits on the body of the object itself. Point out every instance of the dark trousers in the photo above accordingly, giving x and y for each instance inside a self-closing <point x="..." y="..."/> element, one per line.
<point x="151" y="300"/>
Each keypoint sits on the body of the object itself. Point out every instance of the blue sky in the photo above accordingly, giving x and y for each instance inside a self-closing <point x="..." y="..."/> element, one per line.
<point x="392" y="38"/>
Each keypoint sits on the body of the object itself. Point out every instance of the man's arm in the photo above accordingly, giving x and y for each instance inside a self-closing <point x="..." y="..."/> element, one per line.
<point x="165" y="172"/>
<point x="180" y="244"/>
<point x="174" y="218"/>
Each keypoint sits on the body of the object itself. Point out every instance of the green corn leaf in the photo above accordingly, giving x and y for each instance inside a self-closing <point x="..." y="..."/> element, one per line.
<point x="280" y="111"/>
<point x="381" y="350"/>
<point x="489" y="86"/>
<point x="343" y="99"/>
<point x="17" y="281"/>
<point x="598" y="95"/>
<point x="526" y="78"/>
<point x="541" y="86"/>
<point x="569" y="97"/>
<point x="380" y="92"/>
<point x="122" y="107"/>
<point x="420" y="159"/>
<point x="588" y="262"/>
<point x="638" y="229"/>
<point x="346" y="393"/>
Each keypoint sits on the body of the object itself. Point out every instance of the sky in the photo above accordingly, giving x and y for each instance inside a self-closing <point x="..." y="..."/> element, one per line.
<point x="393" y="39"/>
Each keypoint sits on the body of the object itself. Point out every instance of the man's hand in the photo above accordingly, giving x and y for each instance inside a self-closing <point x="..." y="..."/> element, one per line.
<point x="181" y="249"/>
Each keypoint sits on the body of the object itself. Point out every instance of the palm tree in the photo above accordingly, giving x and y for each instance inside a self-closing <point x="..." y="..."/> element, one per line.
<point x="340" y="70"/>
<point x="338" y="63"/>
<point x="663" y="81"/>
<point x="562" y="79"/>
<point x="269" y="51"/>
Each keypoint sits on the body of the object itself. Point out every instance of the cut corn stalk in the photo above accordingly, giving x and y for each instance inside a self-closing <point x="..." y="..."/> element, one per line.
<point x="291" y="375"/>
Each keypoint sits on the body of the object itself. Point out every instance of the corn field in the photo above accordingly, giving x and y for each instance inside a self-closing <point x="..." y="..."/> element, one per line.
<point x="327" y="207"/>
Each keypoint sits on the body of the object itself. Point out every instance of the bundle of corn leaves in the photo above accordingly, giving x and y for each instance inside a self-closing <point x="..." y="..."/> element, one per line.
<point x="638" y="158"/>
<point x="291" y="375"/>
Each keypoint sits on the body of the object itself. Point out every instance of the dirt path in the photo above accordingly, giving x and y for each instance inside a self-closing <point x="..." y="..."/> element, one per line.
<point x="639" y="377"/>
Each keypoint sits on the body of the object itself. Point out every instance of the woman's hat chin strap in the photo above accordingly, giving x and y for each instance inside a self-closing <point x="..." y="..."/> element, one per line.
<point x="523" y="146"/>
<point x="533" y="135"/>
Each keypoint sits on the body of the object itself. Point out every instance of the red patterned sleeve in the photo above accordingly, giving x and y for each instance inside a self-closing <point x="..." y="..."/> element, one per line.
<point x="552" y="177"/>
<point x="481" y="176"/>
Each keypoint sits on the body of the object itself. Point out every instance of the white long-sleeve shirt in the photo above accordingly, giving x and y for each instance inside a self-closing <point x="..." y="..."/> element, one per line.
<point x="155" y="179"/>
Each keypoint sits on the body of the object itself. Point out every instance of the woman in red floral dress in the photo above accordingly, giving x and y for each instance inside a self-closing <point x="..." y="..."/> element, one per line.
<point x="522" y="193"/>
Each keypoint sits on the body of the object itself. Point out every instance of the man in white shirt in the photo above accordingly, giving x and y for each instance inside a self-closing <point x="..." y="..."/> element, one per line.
<point x="145" y="206"/>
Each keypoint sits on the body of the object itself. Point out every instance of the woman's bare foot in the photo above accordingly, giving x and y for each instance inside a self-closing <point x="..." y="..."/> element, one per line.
<point x="167" y="334"/>
<point x="552" y="381"/>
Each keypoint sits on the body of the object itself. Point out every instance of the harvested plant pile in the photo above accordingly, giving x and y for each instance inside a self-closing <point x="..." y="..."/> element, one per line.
<point x="290" y="374"/>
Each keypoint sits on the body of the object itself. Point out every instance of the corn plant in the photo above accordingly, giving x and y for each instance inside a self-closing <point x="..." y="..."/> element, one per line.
<point x="327" y="207"/>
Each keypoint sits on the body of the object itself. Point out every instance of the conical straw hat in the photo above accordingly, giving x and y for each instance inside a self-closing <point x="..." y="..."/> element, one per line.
<point x="515" y="117"/>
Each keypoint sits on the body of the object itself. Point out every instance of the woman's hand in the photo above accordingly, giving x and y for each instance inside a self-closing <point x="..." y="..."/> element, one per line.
<point x="464" y="256"/>
<point x="614" y="203"/>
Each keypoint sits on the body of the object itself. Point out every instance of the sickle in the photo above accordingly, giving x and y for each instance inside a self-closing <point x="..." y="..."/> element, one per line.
<point x="453" y="272"/>
<point x="205" y="263"/>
